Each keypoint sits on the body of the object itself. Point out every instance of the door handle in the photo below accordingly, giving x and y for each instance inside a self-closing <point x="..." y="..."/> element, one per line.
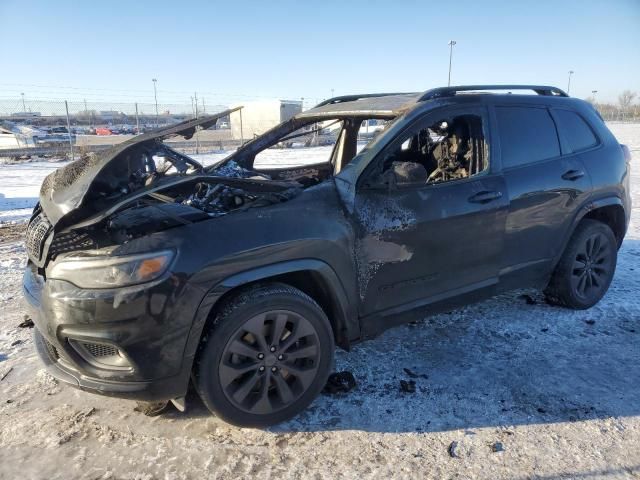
<point x="485" y="197"/>
<point x="573" y="175"/>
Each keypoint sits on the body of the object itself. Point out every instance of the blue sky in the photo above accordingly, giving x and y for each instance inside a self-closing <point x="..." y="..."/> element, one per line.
<point x="227" y="51"/>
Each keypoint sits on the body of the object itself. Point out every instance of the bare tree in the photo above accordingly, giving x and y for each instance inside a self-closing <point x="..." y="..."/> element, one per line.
<point x="625" y="99"/>
<point x="591" y="99"/>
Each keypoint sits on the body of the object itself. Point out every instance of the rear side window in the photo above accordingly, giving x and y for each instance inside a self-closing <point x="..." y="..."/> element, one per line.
<point x="575" y="130"/>
<point x="527" y="135"/>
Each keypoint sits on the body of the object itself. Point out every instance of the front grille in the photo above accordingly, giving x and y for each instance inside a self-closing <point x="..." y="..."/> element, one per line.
<point x="100" y="350"/>
<point x="37" y="232"/>
<point x="69" y="242"/>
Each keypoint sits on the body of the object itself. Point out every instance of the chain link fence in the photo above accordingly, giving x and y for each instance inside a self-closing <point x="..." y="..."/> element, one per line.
<point x="68" y="129"/>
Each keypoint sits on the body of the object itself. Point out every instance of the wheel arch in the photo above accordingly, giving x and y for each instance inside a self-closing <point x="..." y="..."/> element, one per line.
<point x="313" y="277"/>
<point x="608" y="210"/>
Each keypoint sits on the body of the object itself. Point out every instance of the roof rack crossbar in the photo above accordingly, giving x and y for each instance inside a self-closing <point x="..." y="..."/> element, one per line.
<point x="352" y="98"/>
<point x="451" y="91"/>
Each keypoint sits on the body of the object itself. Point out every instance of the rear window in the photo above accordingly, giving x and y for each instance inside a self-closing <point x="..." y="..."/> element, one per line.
<point x="575" y="130"/>
<point x="527" y="135"/>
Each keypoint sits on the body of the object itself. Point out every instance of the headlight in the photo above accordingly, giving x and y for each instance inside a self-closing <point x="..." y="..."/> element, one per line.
<point x="109" y="272"/>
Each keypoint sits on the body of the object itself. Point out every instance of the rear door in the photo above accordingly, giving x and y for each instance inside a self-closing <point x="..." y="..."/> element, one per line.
<point x="545" y="189"/>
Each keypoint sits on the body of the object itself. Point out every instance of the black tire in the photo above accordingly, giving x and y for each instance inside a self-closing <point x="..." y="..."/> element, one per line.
<point x="250" y="378"/>
<point x="587" y="266"/>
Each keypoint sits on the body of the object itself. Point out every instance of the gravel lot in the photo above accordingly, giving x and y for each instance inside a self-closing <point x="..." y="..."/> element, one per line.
<point x="508" y="388"/>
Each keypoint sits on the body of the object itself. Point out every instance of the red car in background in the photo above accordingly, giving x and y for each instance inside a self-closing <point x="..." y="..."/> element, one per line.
<point x="103" y="131"/>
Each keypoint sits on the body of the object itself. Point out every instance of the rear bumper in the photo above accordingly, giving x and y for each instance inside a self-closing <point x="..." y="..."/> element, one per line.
<point x="132" y="322"/>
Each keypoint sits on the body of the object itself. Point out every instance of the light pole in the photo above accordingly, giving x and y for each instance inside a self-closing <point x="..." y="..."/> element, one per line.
<point x="569" y="83"/>
<point x="155" y="96"/>
<point x="594" y="92"/>
<point x="24" y="108"/>
<point x="451" y="44"/>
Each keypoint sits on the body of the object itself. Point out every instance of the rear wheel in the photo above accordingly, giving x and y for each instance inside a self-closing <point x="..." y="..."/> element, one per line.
<point x="266" y="358"/>
<point x="586" y="268"/>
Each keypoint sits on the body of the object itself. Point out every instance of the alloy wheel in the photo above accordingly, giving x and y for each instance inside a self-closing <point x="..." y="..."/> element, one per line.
<point x="592" y="266"/>
<point x="269" y="362"/>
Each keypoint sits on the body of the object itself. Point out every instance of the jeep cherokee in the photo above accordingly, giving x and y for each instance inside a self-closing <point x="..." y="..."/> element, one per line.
<point x="147" y="269"/>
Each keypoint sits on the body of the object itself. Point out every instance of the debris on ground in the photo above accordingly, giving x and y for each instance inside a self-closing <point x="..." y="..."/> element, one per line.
<point x="17" y="342"/>
<point x="541" y="410"/>
<point x="339" y="382"/>
<point x="408" y="386"/>
<point x="412" y="374"/>
<point x="26" y="322"/>
<point x="453" y="450"/>
<point x="4" y="375"/>
<point x="497" y="447"/>
<point x="590" y="322"/>
<point x="545" y="329"/>
<point x="528" y="299"/>
<point x="151" y="409"/>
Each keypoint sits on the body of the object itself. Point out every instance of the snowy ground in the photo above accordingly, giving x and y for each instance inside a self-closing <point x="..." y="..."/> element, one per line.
<point x="558" y="390"/>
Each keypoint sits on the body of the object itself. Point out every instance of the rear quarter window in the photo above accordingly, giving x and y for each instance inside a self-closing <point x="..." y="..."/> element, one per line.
<point x="527" y="135"/>
<point x="575" y="130"/>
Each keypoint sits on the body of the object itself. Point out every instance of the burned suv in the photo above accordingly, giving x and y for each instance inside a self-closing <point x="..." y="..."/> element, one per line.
<point x="148" y="270"/>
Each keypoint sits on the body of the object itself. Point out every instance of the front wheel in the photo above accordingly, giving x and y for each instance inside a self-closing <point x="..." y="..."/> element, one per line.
<point x="586" y="268"/>
<point x="267" y="356"/>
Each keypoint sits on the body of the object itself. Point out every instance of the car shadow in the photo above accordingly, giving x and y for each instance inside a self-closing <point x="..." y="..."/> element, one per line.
<point x="508" y="361"/>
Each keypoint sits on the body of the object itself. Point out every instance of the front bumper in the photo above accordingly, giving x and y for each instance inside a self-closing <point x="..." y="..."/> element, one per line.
<point x="147" y="326"/>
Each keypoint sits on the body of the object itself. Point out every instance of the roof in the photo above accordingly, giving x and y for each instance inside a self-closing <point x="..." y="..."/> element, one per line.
<point x="393" y="104"/>
<point x="380" y="104"/>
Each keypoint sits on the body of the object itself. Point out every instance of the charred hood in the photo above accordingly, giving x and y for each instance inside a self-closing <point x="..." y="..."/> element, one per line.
<point x="86" y="186"/>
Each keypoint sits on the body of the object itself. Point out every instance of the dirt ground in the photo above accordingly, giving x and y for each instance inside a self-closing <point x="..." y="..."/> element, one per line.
<point x="508" y="388"/>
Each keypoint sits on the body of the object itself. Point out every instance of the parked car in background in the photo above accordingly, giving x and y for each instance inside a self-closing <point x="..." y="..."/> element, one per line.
<point x="148" y="271"/>
<point x="103" y="131"/>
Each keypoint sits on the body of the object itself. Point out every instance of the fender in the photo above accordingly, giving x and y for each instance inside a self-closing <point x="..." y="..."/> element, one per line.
<point x="345" y="320"/>
<point x="589" y="206"/>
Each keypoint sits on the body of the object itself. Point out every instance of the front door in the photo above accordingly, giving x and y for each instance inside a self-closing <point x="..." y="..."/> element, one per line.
<point x="435" y="233"/>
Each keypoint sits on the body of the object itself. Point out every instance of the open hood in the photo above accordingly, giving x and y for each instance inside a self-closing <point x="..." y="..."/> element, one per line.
<point x="90" y="184"/>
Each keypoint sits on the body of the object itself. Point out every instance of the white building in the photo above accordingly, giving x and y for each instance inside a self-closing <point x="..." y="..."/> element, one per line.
<point x="257" y="117"/>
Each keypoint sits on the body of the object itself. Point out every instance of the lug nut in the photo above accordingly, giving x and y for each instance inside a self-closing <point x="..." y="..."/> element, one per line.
<point x="261" y="368"/>
<point x="280" y="357"/>
<point x="260" y="356"/>
<point x="274" y="369"/>
<point x="272" y="349"/>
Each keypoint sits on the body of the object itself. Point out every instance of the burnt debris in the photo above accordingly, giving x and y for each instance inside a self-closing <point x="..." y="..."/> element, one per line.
<point x="26" y="322"/>
<point x="219" y="199"/>
<point x="339" y="382"/>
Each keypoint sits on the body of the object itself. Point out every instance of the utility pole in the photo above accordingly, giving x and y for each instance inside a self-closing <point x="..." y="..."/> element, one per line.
<point x="66" y="107"/>
<point x="137" y="121"/>
<point x="155" y="96"/>
<point x="195" y="102"/>
<point x="24" y="108"/>
<point x="571" y="72"/>
<point x="451" y="44"/>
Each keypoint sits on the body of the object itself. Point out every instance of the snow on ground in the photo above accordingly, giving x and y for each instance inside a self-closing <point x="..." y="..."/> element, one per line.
<point x="524" y="390"/>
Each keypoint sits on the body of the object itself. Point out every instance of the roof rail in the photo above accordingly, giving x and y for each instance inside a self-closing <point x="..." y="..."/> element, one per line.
<point x="352" y="98"/>
<point x="451" y="91"/>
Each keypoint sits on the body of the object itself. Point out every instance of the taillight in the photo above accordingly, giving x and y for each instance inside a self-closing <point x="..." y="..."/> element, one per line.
<point x="627" y="153"/>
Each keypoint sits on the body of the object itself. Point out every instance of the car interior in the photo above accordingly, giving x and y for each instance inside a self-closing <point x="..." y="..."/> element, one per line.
<point x="449" y="149"/>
